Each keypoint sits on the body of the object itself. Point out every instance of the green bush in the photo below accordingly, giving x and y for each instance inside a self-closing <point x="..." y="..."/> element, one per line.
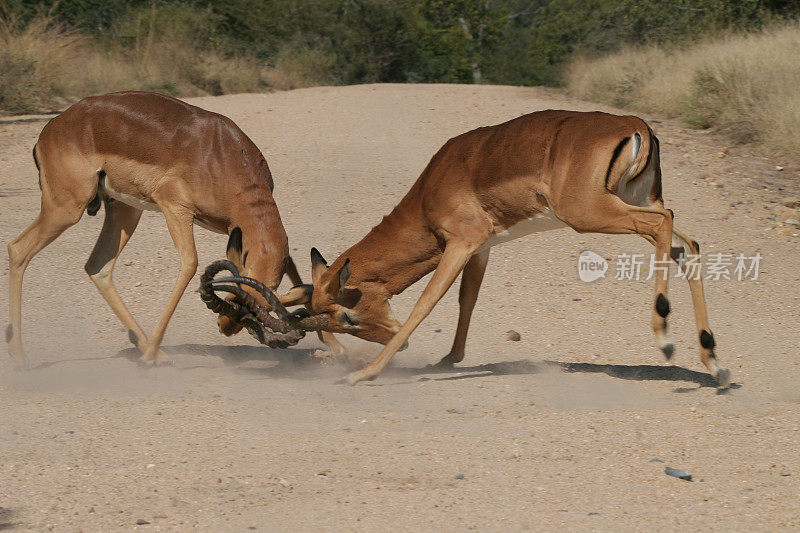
<point x="206" y="46"/>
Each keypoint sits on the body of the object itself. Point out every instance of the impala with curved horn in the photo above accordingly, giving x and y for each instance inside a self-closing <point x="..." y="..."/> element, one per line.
<point x="136" y="150"/>
<point x="593" y="172"/>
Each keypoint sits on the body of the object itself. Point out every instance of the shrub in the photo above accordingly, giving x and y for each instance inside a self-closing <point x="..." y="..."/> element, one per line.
<point x="745" y="84"/>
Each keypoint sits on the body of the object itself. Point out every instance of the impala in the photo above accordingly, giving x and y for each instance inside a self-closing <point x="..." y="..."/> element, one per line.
<point x="593" y="172"/>
<point x="135" y="151"/>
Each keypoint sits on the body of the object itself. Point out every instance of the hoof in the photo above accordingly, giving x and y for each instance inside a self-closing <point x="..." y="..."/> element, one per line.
<point x="159" y="359"/>
<point x="22" y="365"/>
<point x="449" y="360"/>
<point x="723" y="379"/>
<point x="21" y="361"/>
<point x="668" y="349"/>
<point x="349" y="379"/>
<point x="354" y="377"/>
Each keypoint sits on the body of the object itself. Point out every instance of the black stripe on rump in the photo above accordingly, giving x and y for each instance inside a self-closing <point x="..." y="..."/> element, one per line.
<point x="614" y="157"/>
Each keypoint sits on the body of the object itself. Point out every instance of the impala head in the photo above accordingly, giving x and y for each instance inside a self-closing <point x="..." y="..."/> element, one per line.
<point x="255" y="258"/>
<point x="361" y="309"/>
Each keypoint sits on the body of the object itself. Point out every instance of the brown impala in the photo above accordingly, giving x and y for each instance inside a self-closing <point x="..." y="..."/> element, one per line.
<point x="593" y="172"/>
<point x="134" y="151"/>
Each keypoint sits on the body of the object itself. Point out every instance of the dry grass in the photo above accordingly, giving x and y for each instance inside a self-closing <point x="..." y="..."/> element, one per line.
<point x="34" y="63"/>
<point x="43" y="65"/>
<point x="747" y="85"/>
<point x="300" y="65"/>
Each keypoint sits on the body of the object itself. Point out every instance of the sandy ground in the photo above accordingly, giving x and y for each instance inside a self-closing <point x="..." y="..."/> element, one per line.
<point x="562" y="429"/>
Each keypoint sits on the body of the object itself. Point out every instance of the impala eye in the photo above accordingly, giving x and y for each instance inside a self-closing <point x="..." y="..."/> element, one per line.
<point x="349" y="320"/>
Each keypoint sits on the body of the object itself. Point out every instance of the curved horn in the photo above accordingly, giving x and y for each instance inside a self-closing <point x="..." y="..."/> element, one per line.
<point x="284" y="335"/>
<point x="271" y="298"/>
<point x="247" y="310"/>
<point x="255" y="308"/>
<point x="299" y="319"/>
<point x="287" y="329"/>
<point x="207" y="294"/>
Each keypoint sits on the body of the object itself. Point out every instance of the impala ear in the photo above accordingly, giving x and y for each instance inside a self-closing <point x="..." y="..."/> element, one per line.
<point x="344" y="275"/>
<point x="297" y="295"/>
<point x="234" y="249"/>
<point x="337" y="283"/>
<point x="318" y="265"/>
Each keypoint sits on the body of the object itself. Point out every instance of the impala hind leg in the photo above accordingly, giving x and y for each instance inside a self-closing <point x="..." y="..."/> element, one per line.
<point x="180" y="224"/>
<point x="661" y="233"/>
<point x="687" y="246"/>
<point x="51" y="222"/>
<point x="453" y="260"/>
<point x="120" y="223"/>
<point x="471" y="279"/>
<point x="612" y="215"/>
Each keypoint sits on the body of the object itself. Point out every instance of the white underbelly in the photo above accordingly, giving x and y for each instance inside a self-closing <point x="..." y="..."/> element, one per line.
<point x="203" y="224"/>
<point x="544" y="221"/>
<point x="132" y="201"/>
<point x="144" y="205"/>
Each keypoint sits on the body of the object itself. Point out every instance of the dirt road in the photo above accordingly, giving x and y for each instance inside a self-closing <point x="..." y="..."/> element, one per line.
<point x="570" y="427"/>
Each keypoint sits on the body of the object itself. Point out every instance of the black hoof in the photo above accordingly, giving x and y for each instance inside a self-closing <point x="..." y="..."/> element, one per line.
<point x="723" y="379"/>
<point x="669" y="350"/>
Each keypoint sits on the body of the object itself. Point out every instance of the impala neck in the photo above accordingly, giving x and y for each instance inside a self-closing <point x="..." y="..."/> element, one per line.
<point x="396" y="253"/>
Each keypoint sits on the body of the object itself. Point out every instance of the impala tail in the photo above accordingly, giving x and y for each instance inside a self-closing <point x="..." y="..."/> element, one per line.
<point x="634" y="172"/>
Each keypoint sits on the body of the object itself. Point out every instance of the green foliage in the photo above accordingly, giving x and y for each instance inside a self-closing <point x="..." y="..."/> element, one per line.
<point x="524" y="42"/>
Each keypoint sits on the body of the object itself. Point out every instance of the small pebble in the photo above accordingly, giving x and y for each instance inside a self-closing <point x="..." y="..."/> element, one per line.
<point x="459" y="476"/>
<point x="680" y="474"/>
<point x="786" y="474"/>
<point x="142" y="522"/>
<point x="655" y="461"/>
<point x="513" y="335"/>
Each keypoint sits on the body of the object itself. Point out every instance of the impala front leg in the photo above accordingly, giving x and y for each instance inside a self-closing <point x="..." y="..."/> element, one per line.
<point x="471" y="280"/>
<point x="453" y="260"/>
<point x="179" y="221"/>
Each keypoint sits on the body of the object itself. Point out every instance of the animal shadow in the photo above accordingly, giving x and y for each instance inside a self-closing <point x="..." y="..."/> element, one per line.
<point x="289" y="362"/>
<point x="523" y="367"/>
<point x="644" y="373"/>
